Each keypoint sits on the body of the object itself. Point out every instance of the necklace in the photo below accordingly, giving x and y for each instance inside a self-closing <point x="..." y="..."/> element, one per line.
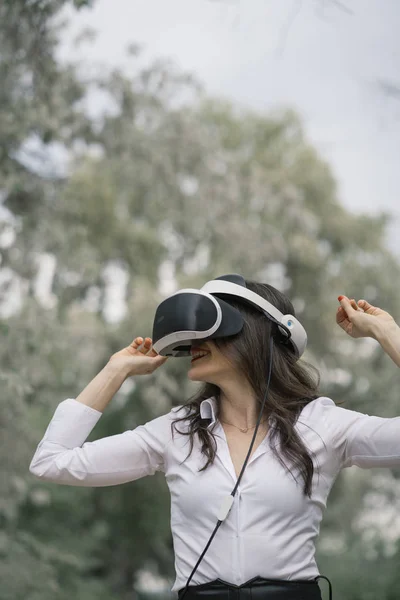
<point x="242" y="429"/>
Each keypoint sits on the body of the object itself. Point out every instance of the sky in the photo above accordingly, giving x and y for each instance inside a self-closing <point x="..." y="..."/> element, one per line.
<point x="324" y="58"/>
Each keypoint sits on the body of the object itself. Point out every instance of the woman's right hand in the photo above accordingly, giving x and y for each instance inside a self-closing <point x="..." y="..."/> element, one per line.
<point x="138" y="358"/>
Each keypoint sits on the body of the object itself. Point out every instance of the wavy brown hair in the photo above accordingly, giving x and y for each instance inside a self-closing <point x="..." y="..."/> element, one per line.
<point x="294" y="384"/>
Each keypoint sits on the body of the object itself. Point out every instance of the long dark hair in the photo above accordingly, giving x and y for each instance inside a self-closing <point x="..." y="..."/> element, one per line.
<point x="294" y="384"/>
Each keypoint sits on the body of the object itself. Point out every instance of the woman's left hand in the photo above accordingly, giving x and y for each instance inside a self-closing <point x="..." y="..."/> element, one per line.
<point x="361" y="319"/>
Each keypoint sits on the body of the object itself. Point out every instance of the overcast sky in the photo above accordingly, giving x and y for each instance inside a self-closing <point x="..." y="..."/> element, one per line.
<point x="310" y="55"/>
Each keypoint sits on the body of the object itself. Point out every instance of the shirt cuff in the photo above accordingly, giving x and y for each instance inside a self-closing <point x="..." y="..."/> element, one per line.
<point x="71" y="424"/>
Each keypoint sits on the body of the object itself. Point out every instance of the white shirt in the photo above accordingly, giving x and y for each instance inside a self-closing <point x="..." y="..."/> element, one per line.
<point x="271" y="528"/>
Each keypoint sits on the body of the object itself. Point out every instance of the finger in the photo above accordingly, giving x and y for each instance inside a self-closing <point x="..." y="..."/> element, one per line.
<point x="153" y="353"/>
<point x="354" y="304"/>
<point x="345" y="303"/>
<point x="157" y="362"/>
<point x="161" y="359"/>
<point x="365" y="305"/>
<point x="137" y="342"/>
<point x="146" y="346"/>
<point x="341" y="315"/>
<point x="142" y="345"/>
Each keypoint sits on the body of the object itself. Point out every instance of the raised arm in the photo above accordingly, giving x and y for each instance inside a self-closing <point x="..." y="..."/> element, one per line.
<point x="360" y="439"/>
<point x="138" y="358"/>
<point x="63" y="457"/>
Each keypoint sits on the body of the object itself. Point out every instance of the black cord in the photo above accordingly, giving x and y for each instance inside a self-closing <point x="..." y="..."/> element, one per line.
<point x="329" y="583"/>
<point x="271" y="347"/>
<point x="219" y="523"/>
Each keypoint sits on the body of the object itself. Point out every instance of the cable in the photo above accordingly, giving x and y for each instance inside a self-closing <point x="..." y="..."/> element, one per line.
<point x="329" y="583"/>
<point x="218" y="525"/>
<point x="228" y="505"/>
<point x="271" y="346"/>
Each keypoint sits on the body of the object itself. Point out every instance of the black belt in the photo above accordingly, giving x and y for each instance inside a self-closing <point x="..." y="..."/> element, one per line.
<point x="256" y="589"/>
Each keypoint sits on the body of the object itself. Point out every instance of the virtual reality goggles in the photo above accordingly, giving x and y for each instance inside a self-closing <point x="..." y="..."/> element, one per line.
<point x="189" y="317"/>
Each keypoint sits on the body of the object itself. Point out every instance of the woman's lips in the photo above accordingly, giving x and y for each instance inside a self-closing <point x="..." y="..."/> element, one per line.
<point x="199" y="357"/>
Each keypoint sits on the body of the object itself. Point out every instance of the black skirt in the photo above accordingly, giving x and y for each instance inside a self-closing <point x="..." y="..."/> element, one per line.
<point x="255" y="589"/>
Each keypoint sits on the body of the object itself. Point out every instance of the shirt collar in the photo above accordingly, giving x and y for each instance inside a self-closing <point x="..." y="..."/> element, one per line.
<point x="208" y="410"/>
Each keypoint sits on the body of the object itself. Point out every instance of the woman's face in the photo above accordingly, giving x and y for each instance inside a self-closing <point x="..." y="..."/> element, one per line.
<point x="213" y="367"/>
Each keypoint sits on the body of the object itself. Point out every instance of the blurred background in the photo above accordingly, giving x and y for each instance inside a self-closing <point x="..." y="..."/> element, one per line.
<point x="149" y="146"/>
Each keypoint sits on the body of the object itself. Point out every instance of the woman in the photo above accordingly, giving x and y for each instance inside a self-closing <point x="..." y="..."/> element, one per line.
<point x="265" y="548"/>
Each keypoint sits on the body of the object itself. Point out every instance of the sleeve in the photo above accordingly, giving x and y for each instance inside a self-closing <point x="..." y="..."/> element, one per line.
<point x="63" y="457"/>
<point x="360" y="439"/>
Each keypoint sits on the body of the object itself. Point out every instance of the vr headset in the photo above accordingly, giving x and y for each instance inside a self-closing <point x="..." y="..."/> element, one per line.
<point x="190" y="316"/>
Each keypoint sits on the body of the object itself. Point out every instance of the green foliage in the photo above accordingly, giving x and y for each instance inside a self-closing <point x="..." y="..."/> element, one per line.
<point x="167" y="179"/>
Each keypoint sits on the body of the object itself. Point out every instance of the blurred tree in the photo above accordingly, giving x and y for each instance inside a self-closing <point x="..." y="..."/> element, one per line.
<point x="38" y="117"/>
<point x="168" y="182"/>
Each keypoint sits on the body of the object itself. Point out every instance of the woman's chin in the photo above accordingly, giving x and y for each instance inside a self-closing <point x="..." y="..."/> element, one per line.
<point x="195" y="373"/>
